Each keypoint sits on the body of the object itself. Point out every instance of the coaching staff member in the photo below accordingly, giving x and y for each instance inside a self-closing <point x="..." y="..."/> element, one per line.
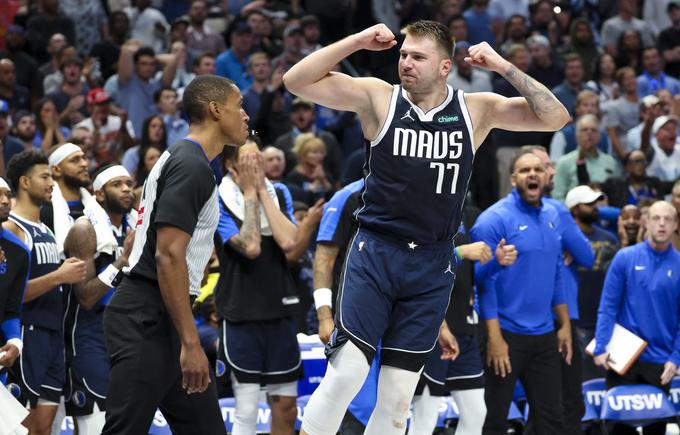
<point x="642" y="293"/>
<point x="517" y="301"/>
<point x="156" y="355"/>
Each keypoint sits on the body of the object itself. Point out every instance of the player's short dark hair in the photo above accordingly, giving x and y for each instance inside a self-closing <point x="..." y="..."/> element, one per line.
<point x="432" y="30"/>
<point x="201" y="91"/>
<point x="143" y="51"/>
<point x="21" y="164"/>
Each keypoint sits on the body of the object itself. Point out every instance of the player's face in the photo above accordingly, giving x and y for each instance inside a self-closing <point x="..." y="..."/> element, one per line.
<point x="234" y="120"/>
<point x="117" y="195"/>
<point x="39" y="184"/>
<point x="529" y="178"/>
<point x="421" y="64"/>
<point x="662" y="222"/>
<point x="5" y="203"/>
<point x="73" y="170"/>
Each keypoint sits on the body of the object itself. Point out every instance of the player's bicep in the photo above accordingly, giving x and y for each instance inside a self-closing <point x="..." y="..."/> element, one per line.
<point x="341" y="92"/>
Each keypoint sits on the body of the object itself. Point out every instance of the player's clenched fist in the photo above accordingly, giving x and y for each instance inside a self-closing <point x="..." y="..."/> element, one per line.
<point x="505" y="254"/>
<point x="483" y="56"/>
<point x="376" y="38"/>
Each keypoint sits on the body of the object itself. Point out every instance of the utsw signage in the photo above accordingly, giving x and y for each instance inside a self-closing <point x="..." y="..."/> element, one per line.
<point x="631" y="402"/>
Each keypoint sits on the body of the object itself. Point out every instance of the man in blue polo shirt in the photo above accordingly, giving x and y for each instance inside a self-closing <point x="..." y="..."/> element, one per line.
<point x="642" y="294"/>
<point x="516" y="301"/>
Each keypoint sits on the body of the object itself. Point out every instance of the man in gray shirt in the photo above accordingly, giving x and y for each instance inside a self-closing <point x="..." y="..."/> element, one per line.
<point x="624" y="20"/>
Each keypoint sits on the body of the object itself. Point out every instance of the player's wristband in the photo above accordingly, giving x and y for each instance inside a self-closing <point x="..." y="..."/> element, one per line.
<point x="323" y="297"/>
<point x="17" y="343"/>
<point x="459" y="257"/>
<point x="108" y="275"/>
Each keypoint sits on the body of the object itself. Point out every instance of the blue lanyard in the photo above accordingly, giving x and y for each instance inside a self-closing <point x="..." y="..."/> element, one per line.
<point x="654" y="83"/>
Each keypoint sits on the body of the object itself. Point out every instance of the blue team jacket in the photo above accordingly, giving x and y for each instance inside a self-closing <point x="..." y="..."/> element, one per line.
<point x="577" y="244"/>
<point x="522" y="295"/>
<point x="642" y="293"/>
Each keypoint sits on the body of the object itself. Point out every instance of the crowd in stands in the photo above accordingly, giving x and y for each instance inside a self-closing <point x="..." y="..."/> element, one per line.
<point x="109" y="75"/>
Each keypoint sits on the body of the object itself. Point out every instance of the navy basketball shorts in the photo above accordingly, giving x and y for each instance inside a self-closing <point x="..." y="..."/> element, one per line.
<point x="264" y="352"/>
<point x="88" y="376"/>
<point x="39" y="371"/>
<point x="464" y="373"/>
<point x="396" y="292"/>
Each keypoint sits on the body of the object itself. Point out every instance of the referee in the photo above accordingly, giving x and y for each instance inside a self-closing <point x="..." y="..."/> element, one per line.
<point x="156" y="355"/>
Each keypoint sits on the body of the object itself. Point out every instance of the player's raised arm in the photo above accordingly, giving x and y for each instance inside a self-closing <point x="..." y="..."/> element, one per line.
<point x="536" y="110"/>
<point x="312" y="78"/>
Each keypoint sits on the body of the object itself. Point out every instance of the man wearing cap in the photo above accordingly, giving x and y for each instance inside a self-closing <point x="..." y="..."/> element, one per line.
<point x="302" y="119"/>
<point x="12" y="92"/>
<point x="582" y="203"/>
<point x="669" y="40"/>
<point x="15" y="261"/>
<point x="642" y="294"/>
<point x="292" y="48"/>
<point x="103" y="240"/>
<point x="201" y="38"/>
<point x="233" y="63"/>
<point x="37" y="378"/>
<point x="23" y="128"/>
<point x="70" y="97"/>
<point x="664" y="155"/>
<point x="310" y="27"/>
<point x="464" y="76"/>
<point x="70" y="171"/>
<point x="9" y="145"/>
<point x="650" y="109"/>
<point x="112" y="133"/>
<point x="586" y="163"/>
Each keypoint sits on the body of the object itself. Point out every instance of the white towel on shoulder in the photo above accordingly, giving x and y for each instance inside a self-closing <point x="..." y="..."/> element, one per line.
<point x="106" y="240"/>
<point x="62" y="218"/>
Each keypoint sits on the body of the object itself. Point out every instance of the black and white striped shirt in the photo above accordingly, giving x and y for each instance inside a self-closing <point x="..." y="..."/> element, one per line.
<point x="180" y="191"/>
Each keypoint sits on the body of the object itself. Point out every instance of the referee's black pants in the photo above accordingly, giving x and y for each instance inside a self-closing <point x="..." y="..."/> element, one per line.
<point x="536" y="363"/>
<point x="639" y="373"/>
<point x="145" y="375"/>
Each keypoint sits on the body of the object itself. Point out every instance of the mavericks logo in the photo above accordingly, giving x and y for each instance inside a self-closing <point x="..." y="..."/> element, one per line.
<point x="446" y="119"/>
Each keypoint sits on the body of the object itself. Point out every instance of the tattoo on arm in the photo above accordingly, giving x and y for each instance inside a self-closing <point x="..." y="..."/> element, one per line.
<point x="540" y="99"/>
<point x="82" y="243"/>
<point x="250" y="230"/>
<point x="324" y="260"/>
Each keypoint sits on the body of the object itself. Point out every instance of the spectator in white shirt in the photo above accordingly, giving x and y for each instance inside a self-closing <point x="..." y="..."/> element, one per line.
<point x="148" y="25"/>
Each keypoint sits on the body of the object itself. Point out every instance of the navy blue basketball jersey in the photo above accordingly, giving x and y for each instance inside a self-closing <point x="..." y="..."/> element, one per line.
<point x="418" y="169"/>
<point x="46" y="310"/>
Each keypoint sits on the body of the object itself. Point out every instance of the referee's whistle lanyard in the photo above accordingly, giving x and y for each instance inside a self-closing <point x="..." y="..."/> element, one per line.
<point x="654" y="83"/>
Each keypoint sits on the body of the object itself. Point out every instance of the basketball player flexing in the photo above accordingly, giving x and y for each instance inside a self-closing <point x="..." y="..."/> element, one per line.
<point x="421" y="137"/>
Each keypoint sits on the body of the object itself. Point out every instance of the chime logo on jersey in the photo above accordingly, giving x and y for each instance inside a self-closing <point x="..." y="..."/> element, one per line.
<point x="447" y="119"/>
<point x="424" y="144"/>
<point x="46" y="252"/>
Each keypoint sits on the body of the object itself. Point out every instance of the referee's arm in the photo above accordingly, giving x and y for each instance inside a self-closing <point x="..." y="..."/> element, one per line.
<point x="173" y="279"/>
